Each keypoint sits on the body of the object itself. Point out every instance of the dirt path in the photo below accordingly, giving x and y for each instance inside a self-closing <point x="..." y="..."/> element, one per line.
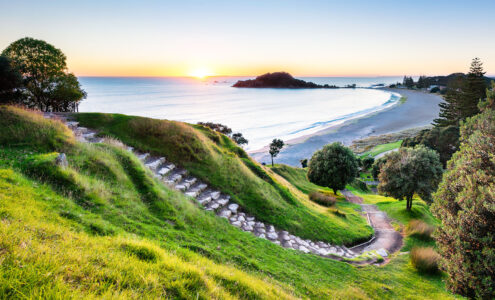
<point x="385" y="235"/>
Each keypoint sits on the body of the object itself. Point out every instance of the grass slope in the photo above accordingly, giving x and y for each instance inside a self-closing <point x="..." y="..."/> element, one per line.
<point x="381" y="148"/>
<point x="103" y="227"/>
<point x="215" y="158"/>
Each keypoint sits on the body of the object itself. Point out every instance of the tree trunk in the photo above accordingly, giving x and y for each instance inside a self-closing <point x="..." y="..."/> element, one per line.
<point x="272" y="160"/>
<point x="409" y="203"/>
<point x="334" y="191"/>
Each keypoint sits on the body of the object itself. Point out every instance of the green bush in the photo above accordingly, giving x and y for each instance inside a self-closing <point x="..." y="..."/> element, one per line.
<point x="425" y="260"/>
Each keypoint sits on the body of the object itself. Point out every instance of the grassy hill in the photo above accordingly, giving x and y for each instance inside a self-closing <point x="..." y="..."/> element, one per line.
<point x="104" y="227"/>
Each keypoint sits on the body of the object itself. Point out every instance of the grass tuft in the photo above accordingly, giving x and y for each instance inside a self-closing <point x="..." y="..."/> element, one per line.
<point x="322" y="199"/>
<point x="420" y="229"/>
<point x="425" y="260"/>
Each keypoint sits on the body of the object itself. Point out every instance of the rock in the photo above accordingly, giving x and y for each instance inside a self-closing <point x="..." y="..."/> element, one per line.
<point x="262" y="236"/>
<point x="247" y="228"/>
<point x="236" y="223"/>
<point x="322" y="252"/>
<point x="215" y="194"/>
<point x="250" y="218"/>
<point x="271" y="228"/>
<point x="233" y="207"/>
<point x="259" y="225"/>
<point x="61" y="160"/>
<point x="276" y="242"/>
<point x="272" y="235"/>
<point x="251" y="223"/>
<point x="223" y="202"/>
<point x="225" y="213"/>
<point x="382" y="252"/>
<point x="303" y="249"/>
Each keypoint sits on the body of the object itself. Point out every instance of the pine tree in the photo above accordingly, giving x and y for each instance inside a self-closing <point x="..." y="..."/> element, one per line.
<point x="463" y="96"/>
<point x="474" y="90"/>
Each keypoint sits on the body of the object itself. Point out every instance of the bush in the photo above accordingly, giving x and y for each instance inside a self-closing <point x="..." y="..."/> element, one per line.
<point x="322" y="199"/>
<point x="420" y="229"/>
<point x="425" y="260"/>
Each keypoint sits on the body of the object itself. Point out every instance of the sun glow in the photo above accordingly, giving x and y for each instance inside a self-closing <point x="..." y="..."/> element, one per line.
<point x="200" y="73"/>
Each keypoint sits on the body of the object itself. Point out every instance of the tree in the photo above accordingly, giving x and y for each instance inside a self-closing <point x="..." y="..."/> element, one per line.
<point x="462" y="96"/>
<point x="465" y="204"/>
<point x="445" y="140"/>
<point x="304" y="163"/>
<point x="409" y="171"/>
<point x="275" y="148"/>
<point x="10" y="80"/>
<point x="47" y="85"/>
<point x="368" y="162"/>
<point x="239" y="139"/>
<point x="334" y="166"/>
<point x="408" y="82"/>
<point x="375" y="169"/>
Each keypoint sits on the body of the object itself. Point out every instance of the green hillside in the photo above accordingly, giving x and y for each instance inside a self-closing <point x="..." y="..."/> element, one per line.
<point x="103" y="227"/>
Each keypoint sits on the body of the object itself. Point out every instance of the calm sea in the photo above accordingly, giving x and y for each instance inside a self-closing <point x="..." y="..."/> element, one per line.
<point x="260" y="114"/>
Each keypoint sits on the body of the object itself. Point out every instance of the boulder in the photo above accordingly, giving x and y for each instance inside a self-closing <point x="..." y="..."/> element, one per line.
<point x="61" y="160"/>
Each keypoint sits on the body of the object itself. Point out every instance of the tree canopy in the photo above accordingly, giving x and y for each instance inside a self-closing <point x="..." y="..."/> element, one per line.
<point x="46" y="83"/>
<point x="409" y="171"/>
<point x="239" y="139"/>
<point x="465" y="204"/>
<point x="333" y="166"/>
<point x="445" y="140"/>
<point x="275" y="148"/>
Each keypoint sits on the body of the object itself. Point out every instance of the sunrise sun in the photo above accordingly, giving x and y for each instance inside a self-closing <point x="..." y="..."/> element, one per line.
<point x="200" y="73"/>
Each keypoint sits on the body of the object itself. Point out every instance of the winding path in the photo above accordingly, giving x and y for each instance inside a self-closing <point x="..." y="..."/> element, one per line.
<point x="219" y="203"/>
<point x="386" y="237"/>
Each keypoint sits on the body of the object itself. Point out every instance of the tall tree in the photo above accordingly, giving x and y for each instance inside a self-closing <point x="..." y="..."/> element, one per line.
<point x="334" y="166"/>
<point x="275" y="148"/>
<point x="47" y="85"/>
<point x="409" y="171"/>
<point x="465" y="204"/>
<point x="239" y="139"/>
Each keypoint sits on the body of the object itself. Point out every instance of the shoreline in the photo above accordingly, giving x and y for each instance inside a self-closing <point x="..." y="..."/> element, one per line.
<point x="419" y="110"/>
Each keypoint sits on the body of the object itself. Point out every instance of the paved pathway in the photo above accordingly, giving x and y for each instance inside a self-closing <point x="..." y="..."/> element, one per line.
<point x="386" y="237"/>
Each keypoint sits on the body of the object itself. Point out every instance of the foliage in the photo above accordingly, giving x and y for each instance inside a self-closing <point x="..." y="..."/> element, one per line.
<point x="368" y="162"/>
<point x="278" y="80"/>
<point x="380" y="148"/>
<point x="333" y="166"/>
<point x="409" y="171"/>
<point x="462" y="97"/>
<point x="217" y="127"/>
<point x="304" y="163"/>
<point x="425" y="260"/>
<point x="420" y="229"/>
<point x="445" y="140"/>
<point x="408" y="82"/>
<point x="46" y="83"/>
<point x="10" y="81"/>
<point x="322" y="199"/>
<point x="465" y="203"/>
<point x="275" y="147"/>
<point x="239" y="139"/>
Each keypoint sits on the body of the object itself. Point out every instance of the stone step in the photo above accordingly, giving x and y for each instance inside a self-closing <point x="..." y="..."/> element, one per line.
<point x="176" y="176"/>
<point x="129" y="148"/>
<point x="80" y="130"/>
<point x="96" y="140"/>
<point x="143" y="156"/>
<point x="196" y="189"/>
<point x="154" y="163"/>
<point x="72" y="124"/>
<point x="185" y="184"/>
<point x="165" y="169"/>
<point x="89" y="135"/>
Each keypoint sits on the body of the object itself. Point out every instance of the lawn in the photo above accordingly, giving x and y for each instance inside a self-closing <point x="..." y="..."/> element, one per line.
<point x="380" y="149"/>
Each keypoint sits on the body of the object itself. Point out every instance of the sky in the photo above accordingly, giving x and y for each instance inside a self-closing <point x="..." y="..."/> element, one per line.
<point x="251" y="37"/>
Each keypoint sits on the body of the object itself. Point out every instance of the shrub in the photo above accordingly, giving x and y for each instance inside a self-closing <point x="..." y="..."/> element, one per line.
<point x="425" y="260"/>
<point x="420" y="229"/>
<point x="322" y="199"/>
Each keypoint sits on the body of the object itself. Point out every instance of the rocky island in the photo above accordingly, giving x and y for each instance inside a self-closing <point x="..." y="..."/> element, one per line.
<point x="280" y="80"/>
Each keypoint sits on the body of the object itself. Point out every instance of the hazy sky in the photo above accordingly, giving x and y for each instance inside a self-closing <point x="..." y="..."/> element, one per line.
<point x="306" y="38"/>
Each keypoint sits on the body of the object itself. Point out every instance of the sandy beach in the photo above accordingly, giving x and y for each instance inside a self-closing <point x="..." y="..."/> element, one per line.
<point x="419" y="110"/>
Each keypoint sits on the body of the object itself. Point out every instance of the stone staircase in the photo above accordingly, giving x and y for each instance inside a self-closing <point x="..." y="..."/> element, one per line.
<point x="215" y="201"/>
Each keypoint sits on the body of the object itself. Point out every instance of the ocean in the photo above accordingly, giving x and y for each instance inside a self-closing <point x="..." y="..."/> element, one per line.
<point x="259" y="114"/>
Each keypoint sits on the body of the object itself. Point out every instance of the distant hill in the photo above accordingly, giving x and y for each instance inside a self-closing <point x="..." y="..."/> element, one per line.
<point x="444" y="80"/>
<point x="278" y="80"/>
